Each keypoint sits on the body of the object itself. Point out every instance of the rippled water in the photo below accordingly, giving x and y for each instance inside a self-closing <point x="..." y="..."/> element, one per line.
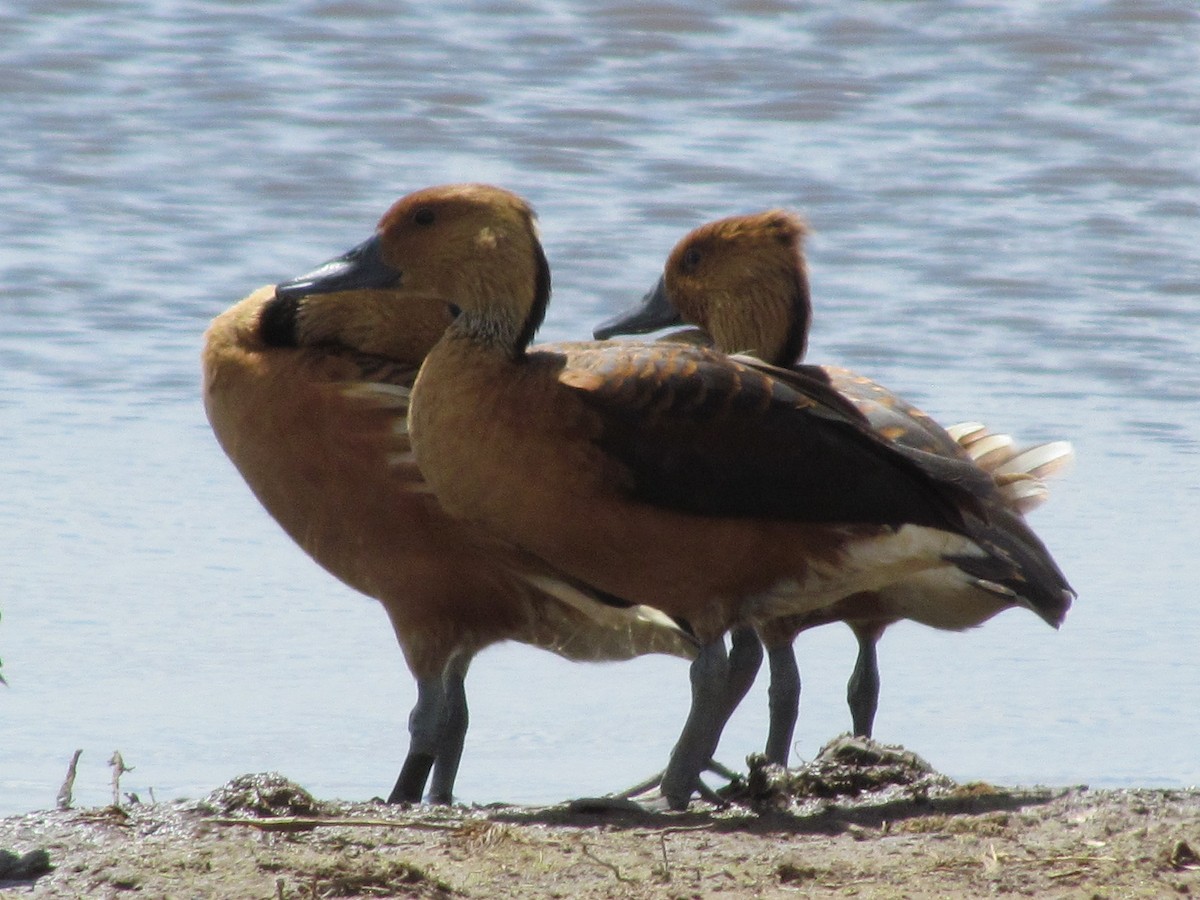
<point x="1006" y="199"/>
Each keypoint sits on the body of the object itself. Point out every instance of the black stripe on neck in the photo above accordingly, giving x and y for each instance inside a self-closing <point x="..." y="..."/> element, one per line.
<point x="541" y="299"/>
<point x="277" y="323"/>
<point x="796" y="342"/>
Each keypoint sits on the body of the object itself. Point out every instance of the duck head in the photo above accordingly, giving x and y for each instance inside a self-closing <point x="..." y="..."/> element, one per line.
<point x="742" y="279"/>
<point x="466" y="254"/>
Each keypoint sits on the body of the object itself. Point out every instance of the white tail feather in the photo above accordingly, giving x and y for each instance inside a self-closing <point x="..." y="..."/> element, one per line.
<point x="1019" y="472"/>
<point x="964" y="430"/>
<point x="1024" y="494"/>
<point x="1040" y="461"/>
<point x="989" y="449"/>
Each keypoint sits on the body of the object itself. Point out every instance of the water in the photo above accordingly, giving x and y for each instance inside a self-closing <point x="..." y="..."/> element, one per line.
<point x="1007" y="215"/>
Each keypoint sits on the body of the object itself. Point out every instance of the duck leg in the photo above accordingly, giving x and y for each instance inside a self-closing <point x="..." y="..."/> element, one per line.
<point x="702" y="731"/>
<point x="454" y="731"/>
<point x="424" y="728"/>
<point x="783" y="702"/>
<point x="862" y="691"/>
<point x="745" y="659"/>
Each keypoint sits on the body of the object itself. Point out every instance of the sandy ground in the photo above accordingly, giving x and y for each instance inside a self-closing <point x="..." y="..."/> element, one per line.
<point x="861" y="820"/>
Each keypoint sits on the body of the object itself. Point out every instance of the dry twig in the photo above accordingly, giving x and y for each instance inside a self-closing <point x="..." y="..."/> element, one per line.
<point x="63" y="800"/>
<point x="119" y="768"/>
<point x="587" y="851"/>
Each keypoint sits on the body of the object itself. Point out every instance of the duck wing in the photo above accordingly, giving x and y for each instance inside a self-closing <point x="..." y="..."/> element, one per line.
<point x="700" y="432"/>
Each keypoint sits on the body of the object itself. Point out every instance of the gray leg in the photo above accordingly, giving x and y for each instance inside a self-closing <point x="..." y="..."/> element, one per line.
<point x="454" y="731"/>
<point x="862" y="693"/>
<point x="745" y="658"/>
<point x="783" y="700"/>
<point x="702" y="731"/>
<point x="424" y="728"/>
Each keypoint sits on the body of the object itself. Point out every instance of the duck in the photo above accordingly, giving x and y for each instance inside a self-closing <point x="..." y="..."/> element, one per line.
<point x="306" y="385"/>
<point x="718" y="490"/>
<point x="742" y="283"/>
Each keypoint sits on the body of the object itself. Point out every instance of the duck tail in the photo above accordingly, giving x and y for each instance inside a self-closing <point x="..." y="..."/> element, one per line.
<point x="1020" y="473"/>
<point x="1016" y="564"/>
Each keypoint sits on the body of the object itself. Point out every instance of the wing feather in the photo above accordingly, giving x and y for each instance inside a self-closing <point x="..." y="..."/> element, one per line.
<point x="708" y="434"/>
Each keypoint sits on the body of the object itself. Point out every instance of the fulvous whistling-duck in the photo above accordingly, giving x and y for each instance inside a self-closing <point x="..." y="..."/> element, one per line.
<point x="719" y="490"/>
<point x="307" y="386"/>
<point x="743" y="280"/>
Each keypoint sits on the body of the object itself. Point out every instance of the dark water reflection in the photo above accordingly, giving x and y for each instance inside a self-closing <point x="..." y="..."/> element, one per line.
<point x="1006" y="205"/>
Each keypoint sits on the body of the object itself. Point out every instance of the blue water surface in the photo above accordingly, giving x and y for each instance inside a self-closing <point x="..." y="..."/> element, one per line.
<point x="1006" y="204"/>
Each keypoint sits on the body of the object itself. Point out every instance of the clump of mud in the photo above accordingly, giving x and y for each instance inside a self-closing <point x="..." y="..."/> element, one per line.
<point x="261" y="796"/>
<point x="845" y="768"/>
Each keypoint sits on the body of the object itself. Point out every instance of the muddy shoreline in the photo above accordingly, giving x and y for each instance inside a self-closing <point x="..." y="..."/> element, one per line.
<point x="874" y="824"/>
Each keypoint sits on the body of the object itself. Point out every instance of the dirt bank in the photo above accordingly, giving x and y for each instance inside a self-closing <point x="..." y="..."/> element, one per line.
<point x="860" y="821"/>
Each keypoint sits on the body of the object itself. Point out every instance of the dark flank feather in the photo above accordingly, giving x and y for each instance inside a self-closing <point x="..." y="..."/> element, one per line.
<point x="702" y="434"/>
<point x="1018" y="560"/>
<point x="892" y="416"/>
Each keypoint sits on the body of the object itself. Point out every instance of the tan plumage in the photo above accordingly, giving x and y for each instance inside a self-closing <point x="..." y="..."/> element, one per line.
<point x="308" y="394"/>
<point x="720" y="490"/>
<point x="561" y="421"/>
<point x="743" y="281"/>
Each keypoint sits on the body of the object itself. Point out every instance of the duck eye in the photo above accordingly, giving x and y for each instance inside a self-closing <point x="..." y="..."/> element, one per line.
<point x="423" y="216"/>
<point x="691" y="259"/>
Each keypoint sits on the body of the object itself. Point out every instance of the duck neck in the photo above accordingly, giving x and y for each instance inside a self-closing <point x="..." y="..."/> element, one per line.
<point x="493" y="331"/>
<point x="504" y="326"/>
<point x="795" y="341"/>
